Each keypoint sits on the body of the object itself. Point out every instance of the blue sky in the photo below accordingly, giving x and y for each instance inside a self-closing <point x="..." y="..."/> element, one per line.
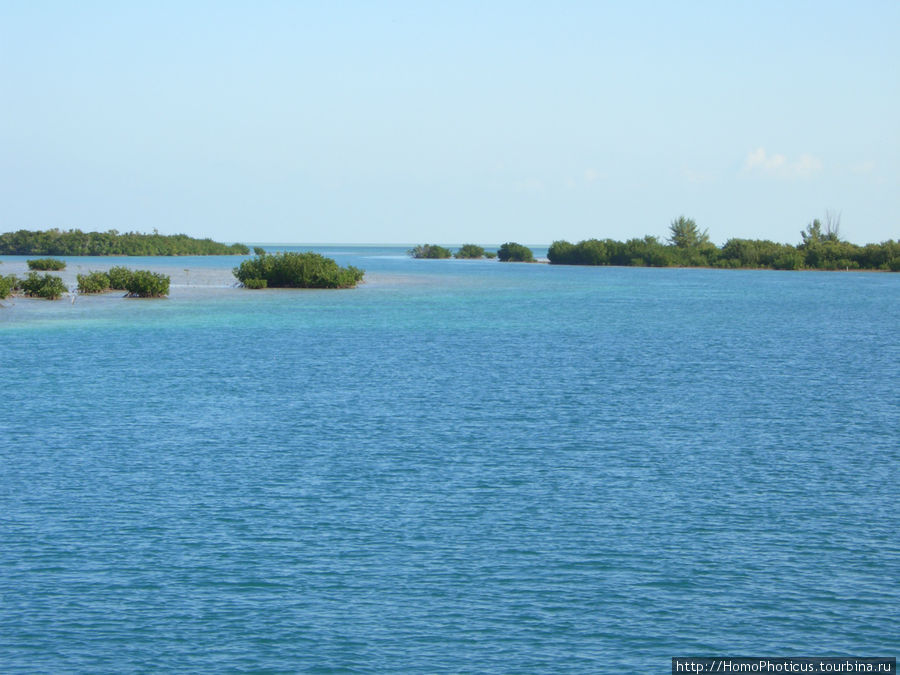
<point x="455" y="122"/>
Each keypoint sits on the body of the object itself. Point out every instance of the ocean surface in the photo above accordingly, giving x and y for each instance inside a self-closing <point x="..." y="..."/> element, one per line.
<point x="459" y="466"/>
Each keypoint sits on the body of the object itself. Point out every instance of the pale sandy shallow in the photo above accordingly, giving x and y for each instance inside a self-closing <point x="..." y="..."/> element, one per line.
<point x="187" y="284"/>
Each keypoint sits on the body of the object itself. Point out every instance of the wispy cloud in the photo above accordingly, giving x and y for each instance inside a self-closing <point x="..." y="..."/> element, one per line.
<point x="780" y="166"/>
<point x="865" y="167"/>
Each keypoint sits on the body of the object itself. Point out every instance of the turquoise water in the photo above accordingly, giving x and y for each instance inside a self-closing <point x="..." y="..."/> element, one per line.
<point x="460" y="466"/>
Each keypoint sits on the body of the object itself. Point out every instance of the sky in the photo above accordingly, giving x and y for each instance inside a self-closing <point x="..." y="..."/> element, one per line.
<point x="453" y="122"/>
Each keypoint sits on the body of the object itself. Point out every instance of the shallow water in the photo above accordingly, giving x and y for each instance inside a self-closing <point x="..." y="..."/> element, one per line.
<point x="458" y="466"/>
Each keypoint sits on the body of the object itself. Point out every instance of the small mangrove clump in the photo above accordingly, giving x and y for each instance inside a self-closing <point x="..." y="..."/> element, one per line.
<point x="119" y="277"/>
<point x="513" y="252"/>
<point x="93" y="282"/>
<point x="47" y="286"/>
<point x="469" y="251"/>
<point x="297" y="270"/>
<point x="46" y="264"/>
<point x="429" y="251"/>
<point x="8" y="284"/>
<point x="147" y="284"/>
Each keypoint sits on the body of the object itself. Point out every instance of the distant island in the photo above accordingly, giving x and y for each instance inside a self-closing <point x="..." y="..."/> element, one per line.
<point x="76" y="242"/>
<point x="821" y="248"/>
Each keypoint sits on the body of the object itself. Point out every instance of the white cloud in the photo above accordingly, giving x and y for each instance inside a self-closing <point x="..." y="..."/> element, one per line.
<point x="780" y="166"/>
<point x="806" y="165"/>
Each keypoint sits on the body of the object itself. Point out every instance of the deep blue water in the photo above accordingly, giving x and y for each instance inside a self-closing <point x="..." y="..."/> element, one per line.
<point x="460" y="466"/>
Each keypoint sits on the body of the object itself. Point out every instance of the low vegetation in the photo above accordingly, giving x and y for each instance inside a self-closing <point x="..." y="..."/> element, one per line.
<point x="147" y="284"/>
<point x="119" y="278"/>
<point x="429" y="251"/>
<point x="46" y="264"/>
<point x="8" y="284"/>
<point x="469" y="251"/>
<point x="76" y="242"/>
<point x="93" y="282"/>
<point x="137" y="283"/>
<point x="513" y="252"/>
<point x="297" y="270"/>
<point x="47" y="286"/>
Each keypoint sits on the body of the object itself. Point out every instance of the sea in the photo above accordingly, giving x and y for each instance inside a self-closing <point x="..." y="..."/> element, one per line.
<point x="460" y="466"/>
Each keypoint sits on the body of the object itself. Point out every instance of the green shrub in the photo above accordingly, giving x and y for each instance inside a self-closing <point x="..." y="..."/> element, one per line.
<point x="429" y="251"/>
<point x="298" y="270"/>
<point x="119" y="278"/>
<point x="8" y="284"/>
<point x="469" y="251"/>
<point x="894" y="265"/>
<point x="259" y="250"/>
<point x="256" y="283"/>
<point x="562" y="252"/>
<point x="93" y="282"/>
<point x="147" y="284"/>
<point x="490" y="254"/>
<point x="513" y="252"/>
<point x="791" y="260"/>
<point x="47" y="286"/>
<point x="587" y="252"/>
<point x="46" y="264"/>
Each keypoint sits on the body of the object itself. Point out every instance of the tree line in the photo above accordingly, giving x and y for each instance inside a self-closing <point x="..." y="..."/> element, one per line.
<point x="821" y="248"/>
<point x="112" y="242"/>
<point x="508" y="252"/>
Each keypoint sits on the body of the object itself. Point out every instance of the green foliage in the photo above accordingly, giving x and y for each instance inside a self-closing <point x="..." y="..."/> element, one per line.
<point x="8" y="284"/>
<point x="429" y="251"/>
<point x="76" y="242"/>
<point x="756" y="253"/>
<point x="821" y="248"/>
<point x="119" y="278"/>
<point x="47" y="286"/>
<point x="789" y="260"/>
<point x="93" y="282"/>
<point x="588" y="252"/>
<point x="256" y="283"/>
<point x="147" y="284"/>
<point x="469" y="251"/>
<point x="646" y="252"/>
<point x="46" y="264"/>
<point x="490" y="254"/>
<point x="561" y="252"/>
<point x="513" y="252"/>
<point x="298" y="270"/>
<point x="684" y="233"/>
<point x="814" y="234"/>
<point x="259" y="250"/>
